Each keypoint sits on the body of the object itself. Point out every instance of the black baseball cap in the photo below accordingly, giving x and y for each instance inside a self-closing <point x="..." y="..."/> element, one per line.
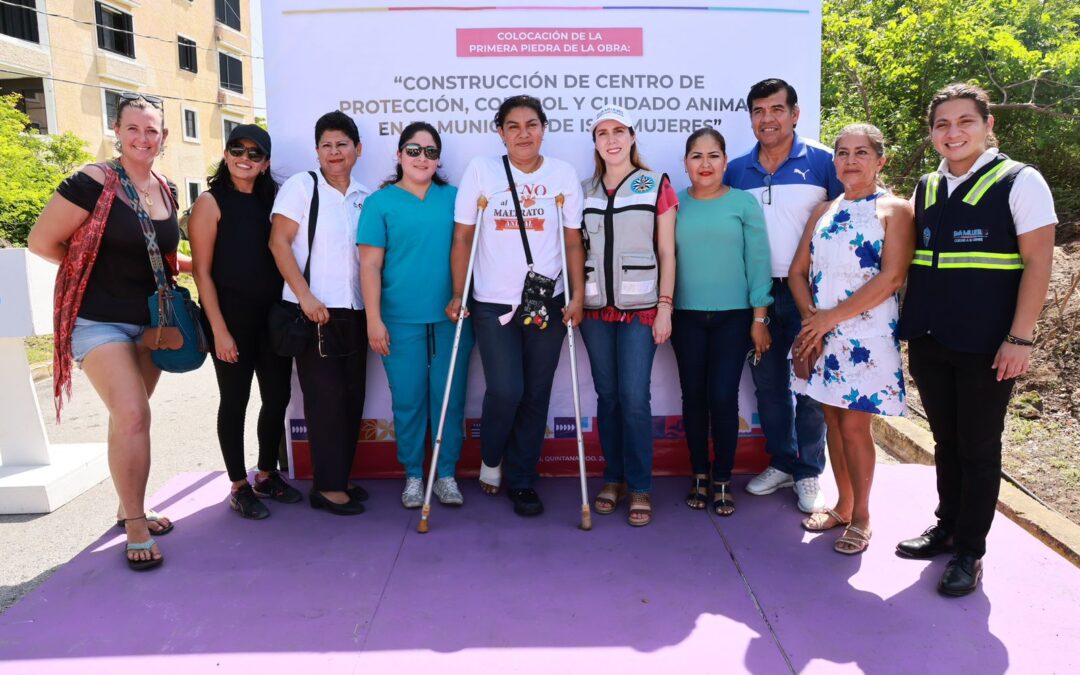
<point x="253" y="133"/>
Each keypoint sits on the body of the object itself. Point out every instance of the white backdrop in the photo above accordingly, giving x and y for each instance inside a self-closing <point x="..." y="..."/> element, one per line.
<point x="677" y="67"/>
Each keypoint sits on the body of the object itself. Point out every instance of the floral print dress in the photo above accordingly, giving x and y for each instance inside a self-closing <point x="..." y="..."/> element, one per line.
<point x="859" y="368"/>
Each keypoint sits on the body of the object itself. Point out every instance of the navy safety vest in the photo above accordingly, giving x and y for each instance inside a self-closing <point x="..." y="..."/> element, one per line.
<point x="620" y="253"/>
<point x="965" y="275"/>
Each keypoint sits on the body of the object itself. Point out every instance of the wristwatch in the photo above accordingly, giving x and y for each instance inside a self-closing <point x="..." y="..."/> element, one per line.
<point x="762" y="320"/>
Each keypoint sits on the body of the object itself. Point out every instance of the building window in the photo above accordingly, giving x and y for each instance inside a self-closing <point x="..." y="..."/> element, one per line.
<point x="191" y="125"/>
<point x="228" y="13"/>
<point x="19" y="20"/>
<point x="230" y="73"/>
<point x="194" y="189"/>
<point x="112" y="104"/>
<point x="227" y="126"/>
<point x="189" y="59"/>
<point x="114" y="30"/>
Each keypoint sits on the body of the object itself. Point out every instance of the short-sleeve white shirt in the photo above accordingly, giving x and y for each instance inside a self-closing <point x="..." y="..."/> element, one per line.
<point x="335" y="265"/>
<point x="500" y="266"/>
<point x="1030" y="200"/>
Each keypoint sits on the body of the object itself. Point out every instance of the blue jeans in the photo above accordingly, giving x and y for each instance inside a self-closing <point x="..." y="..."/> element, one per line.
<point x="416" y="370"/>
<point x="519" y="366"/>
<point x="710" y="349"/>
<point x="794" y="425"/>
<point x="621" y="357"/>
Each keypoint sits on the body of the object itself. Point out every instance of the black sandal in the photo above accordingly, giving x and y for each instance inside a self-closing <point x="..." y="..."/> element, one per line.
<point x="722" y="503"/>
<point x="698" y="497"/>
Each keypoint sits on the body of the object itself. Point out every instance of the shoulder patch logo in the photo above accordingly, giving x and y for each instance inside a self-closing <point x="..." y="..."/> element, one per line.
<point x="642" y="184"/>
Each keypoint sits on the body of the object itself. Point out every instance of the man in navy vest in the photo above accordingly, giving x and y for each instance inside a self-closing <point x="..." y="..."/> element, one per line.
<point x="790" y="175"/>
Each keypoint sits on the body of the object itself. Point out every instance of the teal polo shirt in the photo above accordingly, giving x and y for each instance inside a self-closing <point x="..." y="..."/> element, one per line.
<point x="415" y="235"/>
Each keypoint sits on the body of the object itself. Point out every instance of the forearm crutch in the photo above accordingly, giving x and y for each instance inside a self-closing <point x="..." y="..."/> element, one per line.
<point x="425" y="512"/>
<point x="586" y="515"/>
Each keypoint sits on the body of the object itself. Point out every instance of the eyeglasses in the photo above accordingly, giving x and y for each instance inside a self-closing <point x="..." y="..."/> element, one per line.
<point x="254" y="154"/>
<point x="752" y="357"/>
<point x="132" y="96"/>
<point x="766" y="194"/>
<point x="414" y="150"/>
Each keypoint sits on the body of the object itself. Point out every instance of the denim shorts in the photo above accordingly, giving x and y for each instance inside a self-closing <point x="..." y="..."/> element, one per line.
<point x="89" y="334"/>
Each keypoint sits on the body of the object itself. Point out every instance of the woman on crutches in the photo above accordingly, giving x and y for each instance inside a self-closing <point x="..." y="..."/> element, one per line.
<point x="404" y="237"/>
<point x="517" y="290"/>
<point x="630" y="279"/>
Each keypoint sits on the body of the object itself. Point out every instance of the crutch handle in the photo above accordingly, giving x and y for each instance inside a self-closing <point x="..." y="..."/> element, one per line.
<point x="560" y="200"/>
<point x="481" y="202"/>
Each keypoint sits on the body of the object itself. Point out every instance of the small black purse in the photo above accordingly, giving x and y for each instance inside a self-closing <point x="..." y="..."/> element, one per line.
<point x="538" y="290"/>
<point x="291" y="332"/>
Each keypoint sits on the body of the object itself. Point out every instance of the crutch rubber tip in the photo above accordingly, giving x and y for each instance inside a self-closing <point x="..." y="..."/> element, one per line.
<point x="422" y="526"/>
<point x="586" y="518"/>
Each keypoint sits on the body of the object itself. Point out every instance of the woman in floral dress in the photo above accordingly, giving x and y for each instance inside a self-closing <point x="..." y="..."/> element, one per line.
<point x="852" y="259"/>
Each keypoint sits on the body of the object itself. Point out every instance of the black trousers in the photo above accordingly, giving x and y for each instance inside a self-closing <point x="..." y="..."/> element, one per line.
<point x="966" y="407"/>
<point x="247" y="324"/>
<point x="333" y="388"/>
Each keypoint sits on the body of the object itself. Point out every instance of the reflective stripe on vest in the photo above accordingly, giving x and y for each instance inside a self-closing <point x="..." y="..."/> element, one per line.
<point x="923" y="257"/>
<point x="931" y="190"/>
<point x="980" y="260"/>
<point x="989" y="178"/>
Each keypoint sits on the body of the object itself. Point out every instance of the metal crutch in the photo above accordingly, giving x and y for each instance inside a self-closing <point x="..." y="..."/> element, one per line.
<point x="425" y="512"/>
<point x="586" y="514"/>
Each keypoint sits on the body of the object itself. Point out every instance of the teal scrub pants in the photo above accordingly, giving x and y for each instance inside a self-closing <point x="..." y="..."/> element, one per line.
<point x="416" y="370"/>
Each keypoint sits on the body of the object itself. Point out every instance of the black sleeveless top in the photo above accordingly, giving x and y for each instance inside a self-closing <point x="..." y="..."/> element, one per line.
<point x="243" y="266"/>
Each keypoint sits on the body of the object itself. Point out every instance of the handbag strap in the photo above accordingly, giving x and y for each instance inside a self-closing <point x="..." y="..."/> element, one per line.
<point x="312" y="221"/>
<point x="165" y="307"/>
<point x="517" y="210"/>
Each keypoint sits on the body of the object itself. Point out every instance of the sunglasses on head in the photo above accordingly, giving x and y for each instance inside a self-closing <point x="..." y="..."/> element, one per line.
<point x="254" y="154"/>
<point x="132" y="96"/>
<point x="414" y="150"/>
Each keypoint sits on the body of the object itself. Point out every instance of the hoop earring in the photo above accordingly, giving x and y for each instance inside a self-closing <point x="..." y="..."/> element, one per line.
<point x="118" y="145"/>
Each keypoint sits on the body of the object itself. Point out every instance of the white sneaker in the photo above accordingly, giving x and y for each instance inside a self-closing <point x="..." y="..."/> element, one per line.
<point x="769" y="481"/>
<point x="810" y="498"/>
<point x="446" y="489"/>
<point x="412" y="497"/>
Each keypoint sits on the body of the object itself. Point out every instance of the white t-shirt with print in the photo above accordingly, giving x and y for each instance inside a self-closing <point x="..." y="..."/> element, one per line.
<point x="500" y="266"/>
<point x="335" y="265"/>
<point x="1030" y="200"/>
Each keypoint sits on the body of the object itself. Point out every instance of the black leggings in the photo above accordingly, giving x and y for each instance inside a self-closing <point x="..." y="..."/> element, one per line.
<point x="247" y="325"/>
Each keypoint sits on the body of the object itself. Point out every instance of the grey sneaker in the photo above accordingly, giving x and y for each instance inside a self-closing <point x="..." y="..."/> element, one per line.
<point x="446" y="489"/>
<point x="810" y="498"/>
<point x="412" y="497"/>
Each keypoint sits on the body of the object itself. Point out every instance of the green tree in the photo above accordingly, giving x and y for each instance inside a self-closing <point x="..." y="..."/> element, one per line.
<point x="882" y="60"/>
<point x="31" y="166"/>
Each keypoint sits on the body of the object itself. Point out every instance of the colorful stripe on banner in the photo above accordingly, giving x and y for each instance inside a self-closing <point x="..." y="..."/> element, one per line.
<point x="549" y="8"/>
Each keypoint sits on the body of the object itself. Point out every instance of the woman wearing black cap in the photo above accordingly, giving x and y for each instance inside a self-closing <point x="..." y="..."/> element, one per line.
<point x="238" y="282"/>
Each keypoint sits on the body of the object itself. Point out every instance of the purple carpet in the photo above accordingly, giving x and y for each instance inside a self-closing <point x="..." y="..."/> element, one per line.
<point x="486" y="590"/>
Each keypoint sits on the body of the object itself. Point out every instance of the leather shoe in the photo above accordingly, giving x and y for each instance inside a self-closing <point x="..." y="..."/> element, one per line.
<point x="526" y="502"/>
<point x="356" y="493"/>
<point x="962" y="575"/>
<point x="349" y="508"/>
<point x="934" y="541"/>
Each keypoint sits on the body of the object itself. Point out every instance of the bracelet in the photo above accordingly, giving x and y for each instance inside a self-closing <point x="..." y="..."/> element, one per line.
<point x="1013" y="340"/>
<point x="666" y="298"/>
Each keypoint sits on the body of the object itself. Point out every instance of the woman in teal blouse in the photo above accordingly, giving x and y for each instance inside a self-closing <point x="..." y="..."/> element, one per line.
<point x="404" y="236"/>
<point x="722" y="290"/>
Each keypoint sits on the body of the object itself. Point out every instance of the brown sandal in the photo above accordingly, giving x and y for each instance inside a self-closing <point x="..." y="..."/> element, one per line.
<point x="608" y="499"/>
<point x="640" y="509"/>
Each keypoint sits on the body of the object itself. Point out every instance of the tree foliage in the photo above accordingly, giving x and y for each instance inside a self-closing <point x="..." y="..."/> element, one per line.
<point x="31" y="166"/>
<point x="882" y="60"/>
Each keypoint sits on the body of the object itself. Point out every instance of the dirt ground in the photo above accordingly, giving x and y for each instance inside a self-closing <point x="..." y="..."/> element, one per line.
<point x="1042" y="431"/>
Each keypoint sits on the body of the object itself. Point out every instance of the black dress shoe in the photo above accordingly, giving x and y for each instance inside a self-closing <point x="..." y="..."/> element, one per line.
<point x="935" y="541"/>
<point x="962" y="575"/>
<point x="356" y="493"/>
<point x="349" y="508"/>
<point x="526" y="502"/>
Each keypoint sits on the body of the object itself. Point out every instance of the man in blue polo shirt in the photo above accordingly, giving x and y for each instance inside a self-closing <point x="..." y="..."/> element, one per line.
<point x="789" y="175"/>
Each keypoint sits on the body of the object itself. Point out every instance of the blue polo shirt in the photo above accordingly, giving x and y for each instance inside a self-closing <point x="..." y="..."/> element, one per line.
<point x="805" y="179"/>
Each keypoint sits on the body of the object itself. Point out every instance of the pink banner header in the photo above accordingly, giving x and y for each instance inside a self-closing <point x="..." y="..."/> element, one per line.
<point x="549" y="42"/>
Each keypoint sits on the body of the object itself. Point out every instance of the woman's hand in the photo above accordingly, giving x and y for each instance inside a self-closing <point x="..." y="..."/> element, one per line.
<point x="378" y="337"/>
<point x="454" y="307"/>
<point x="818" y="324"/>
<point x="574" y="312"/>
<point x="661" y="327"/>
<point x="762" y="338"/>
<point x="802" y="345"/>
<point x="1011" y="361"/>
<point x="225" y="347"/>
<point x="314" y="310"/>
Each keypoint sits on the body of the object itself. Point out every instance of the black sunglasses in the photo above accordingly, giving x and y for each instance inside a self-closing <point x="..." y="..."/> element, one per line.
<point x="254" y="154"/>
<point x="131" y="96"/>
<point x="414" y="150"/>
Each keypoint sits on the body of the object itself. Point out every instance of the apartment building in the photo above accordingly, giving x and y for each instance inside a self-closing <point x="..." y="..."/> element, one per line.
<point x="70" y="60"/>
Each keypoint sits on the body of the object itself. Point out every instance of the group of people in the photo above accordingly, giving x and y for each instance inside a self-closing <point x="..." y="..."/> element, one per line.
<point x="789" y="257"/>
